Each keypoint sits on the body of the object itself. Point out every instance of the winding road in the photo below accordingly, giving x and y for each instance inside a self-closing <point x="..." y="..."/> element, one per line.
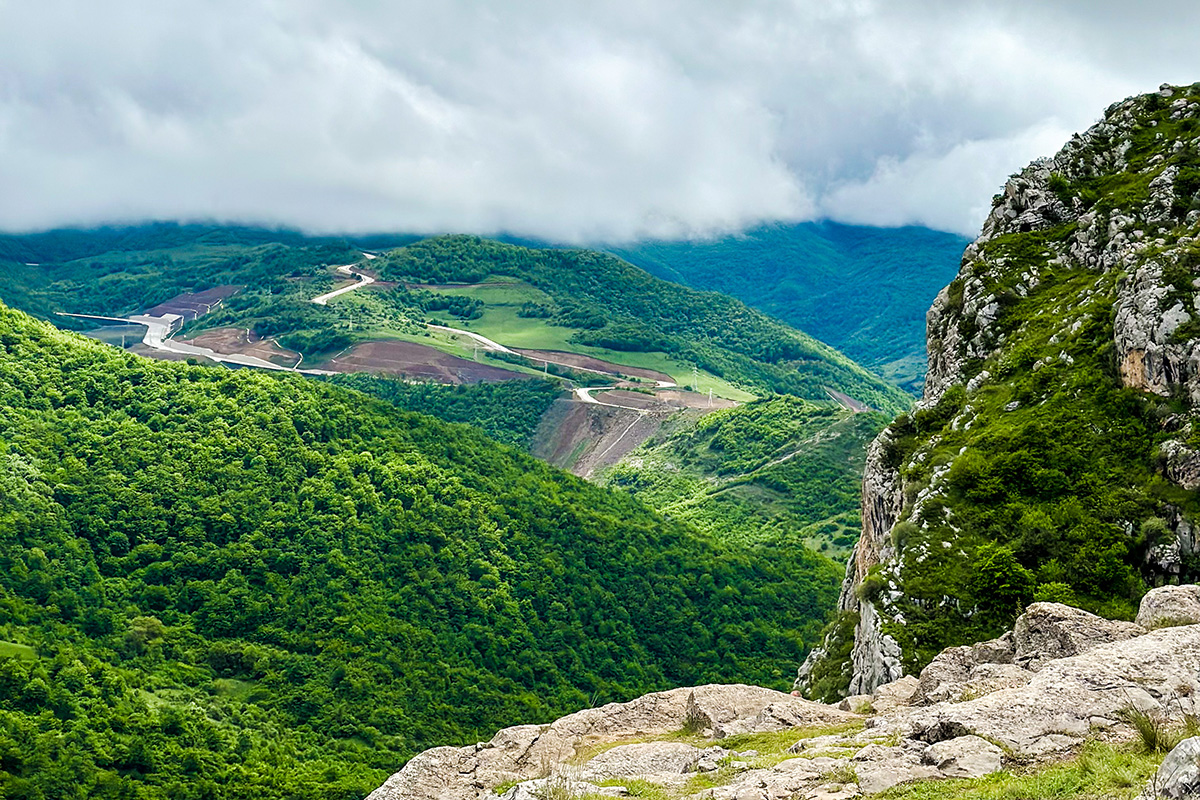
<point x="158" y="337"/>
<point x="347" y="269"/>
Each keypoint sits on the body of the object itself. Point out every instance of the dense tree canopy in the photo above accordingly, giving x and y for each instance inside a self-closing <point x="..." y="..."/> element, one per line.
<point x="222" y="583"/>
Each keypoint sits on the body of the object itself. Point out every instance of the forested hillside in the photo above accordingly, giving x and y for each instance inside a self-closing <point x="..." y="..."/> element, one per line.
<point x="612" y="304"/>
<point x="235" y="584"/>
<point x="863" y="290"/>
<point x="542" y="299"/>
<point x="508" y="412"/>
<point x="777" y="470"/>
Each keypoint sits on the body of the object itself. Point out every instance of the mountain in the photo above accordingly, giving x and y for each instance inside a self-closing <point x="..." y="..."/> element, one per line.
<point x="1055" y="454"/>
<point x="778" y="470"/>
<point x="862" y="290"/>
<point x="612" y="304"/>
<point x="254" y="292"/>
<point x="238" y="583"/>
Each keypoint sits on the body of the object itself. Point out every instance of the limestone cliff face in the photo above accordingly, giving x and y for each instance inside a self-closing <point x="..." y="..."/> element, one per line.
<point x="1104" y="236"/>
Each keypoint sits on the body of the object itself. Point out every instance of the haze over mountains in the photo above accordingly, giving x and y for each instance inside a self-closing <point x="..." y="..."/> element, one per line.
<point x="863" y="290"/>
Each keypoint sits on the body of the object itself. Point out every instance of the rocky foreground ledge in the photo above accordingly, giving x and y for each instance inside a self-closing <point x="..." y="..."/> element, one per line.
<point x="1060" y="677"/>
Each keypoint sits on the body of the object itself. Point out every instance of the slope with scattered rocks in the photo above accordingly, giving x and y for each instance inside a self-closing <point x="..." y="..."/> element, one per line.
<point x="1062" y="677"/>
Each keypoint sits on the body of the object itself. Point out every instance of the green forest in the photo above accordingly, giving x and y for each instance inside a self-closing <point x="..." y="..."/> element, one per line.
<point x="227" y="583"/>
<point x="615" y="305"/>
<point x="862" y="290"/>
<point x="778" y="470"/>
<point x="508" y="411"/>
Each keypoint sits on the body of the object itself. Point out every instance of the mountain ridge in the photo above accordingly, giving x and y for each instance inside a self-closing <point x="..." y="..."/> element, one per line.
<point x="862" y="290"/>
<point x="1053" y="454"/>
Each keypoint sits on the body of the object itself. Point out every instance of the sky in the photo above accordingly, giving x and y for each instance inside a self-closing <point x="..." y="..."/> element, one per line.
<point x="570" y="121"/>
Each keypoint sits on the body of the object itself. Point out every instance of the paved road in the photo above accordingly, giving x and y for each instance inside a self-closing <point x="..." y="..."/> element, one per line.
<point x="363" y="280"/>
<point x="158" y="337"/>
<point x="487" y="343"/>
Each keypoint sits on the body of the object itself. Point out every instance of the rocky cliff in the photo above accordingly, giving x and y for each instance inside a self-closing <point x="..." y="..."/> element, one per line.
<point x="1056" y="452"/>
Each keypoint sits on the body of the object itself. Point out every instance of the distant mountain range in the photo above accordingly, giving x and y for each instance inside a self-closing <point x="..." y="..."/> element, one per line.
<point x="862" y="290"/>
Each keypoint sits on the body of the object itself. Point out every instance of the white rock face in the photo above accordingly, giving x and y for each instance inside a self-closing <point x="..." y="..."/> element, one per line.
<point x="1170" y="605"/>
<point x="1049" y="631"/>
<point x="1179" y="774"/>
<point x="965" y="757"/>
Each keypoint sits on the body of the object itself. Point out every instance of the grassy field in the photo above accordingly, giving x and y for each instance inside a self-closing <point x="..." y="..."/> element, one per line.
<point x="501" y="324"/>
<point x="1100" y="771"/>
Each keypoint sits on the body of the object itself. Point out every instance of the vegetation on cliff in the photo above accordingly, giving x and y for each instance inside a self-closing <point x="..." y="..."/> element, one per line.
<point x="1054" y="456"/>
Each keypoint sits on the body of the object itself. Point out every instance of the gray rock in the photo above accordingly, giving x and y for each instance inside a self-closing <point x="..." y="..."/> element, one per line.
<point x="793" y="712"/>
<point x="857" y="704"/>
<point x="545" y="788"/>
<point x="1170" y="605"/>
<point x="1155" y="673"/>
<point x="1050" y="631"/>
<point x="880" y="768"/>
<point x="965" y="757"/>
<point x="633" y="760"/>
<point x="1178" y="775"/>
<point x="1181" y="464"/>
<point x="959" y="672"/>
<point x="897" y="694"/>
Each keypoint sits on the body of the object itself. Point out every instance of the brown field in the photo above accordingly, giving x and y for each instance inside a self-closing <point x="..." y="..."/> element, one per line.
<point x="194" y="304"/>
<point x="418" y="361"/>
<point x="848" y="401"/>
<point x="237" y="340"/>
<point x="593" y="364"/>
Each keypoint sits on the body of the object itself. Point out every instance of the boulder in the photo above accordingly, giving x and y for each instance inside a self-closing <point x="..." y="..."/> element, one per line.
<point x="1054" y="711"/>
<point x="959" y="673"/>
<point x="879" y="768"/>
<point x="1170" y="605"/>
<point x="792" y="712"/>
<point x="1050" y="631"/>
<point x="635" y="760"/>
<point x="857" y="704"/>
<point x="965" y="757"/>
<point x="1178" y="775"/>
<point x="897" y="694"/>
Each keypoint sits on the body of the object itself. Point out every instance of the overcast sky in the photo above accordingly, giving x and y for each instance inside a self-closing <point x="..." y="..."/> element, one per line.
<point x="573" y="121"/>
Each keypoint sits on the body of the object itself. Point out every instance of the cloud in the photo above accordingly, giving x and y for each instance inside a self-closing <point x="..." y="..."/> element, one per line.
<point x="571" y="121"/>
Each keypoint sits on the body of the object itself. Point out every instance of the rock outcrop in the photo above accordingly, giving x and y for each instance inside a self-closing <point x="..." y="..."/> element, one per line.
<point x="524" y="752"/>
<point x="1179" y="774"/>
<point x="1170" y="605"/>
<point x="1050" y="631"/>
<point x="1034" y="694"/>
<point x="1116" y="215"/>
